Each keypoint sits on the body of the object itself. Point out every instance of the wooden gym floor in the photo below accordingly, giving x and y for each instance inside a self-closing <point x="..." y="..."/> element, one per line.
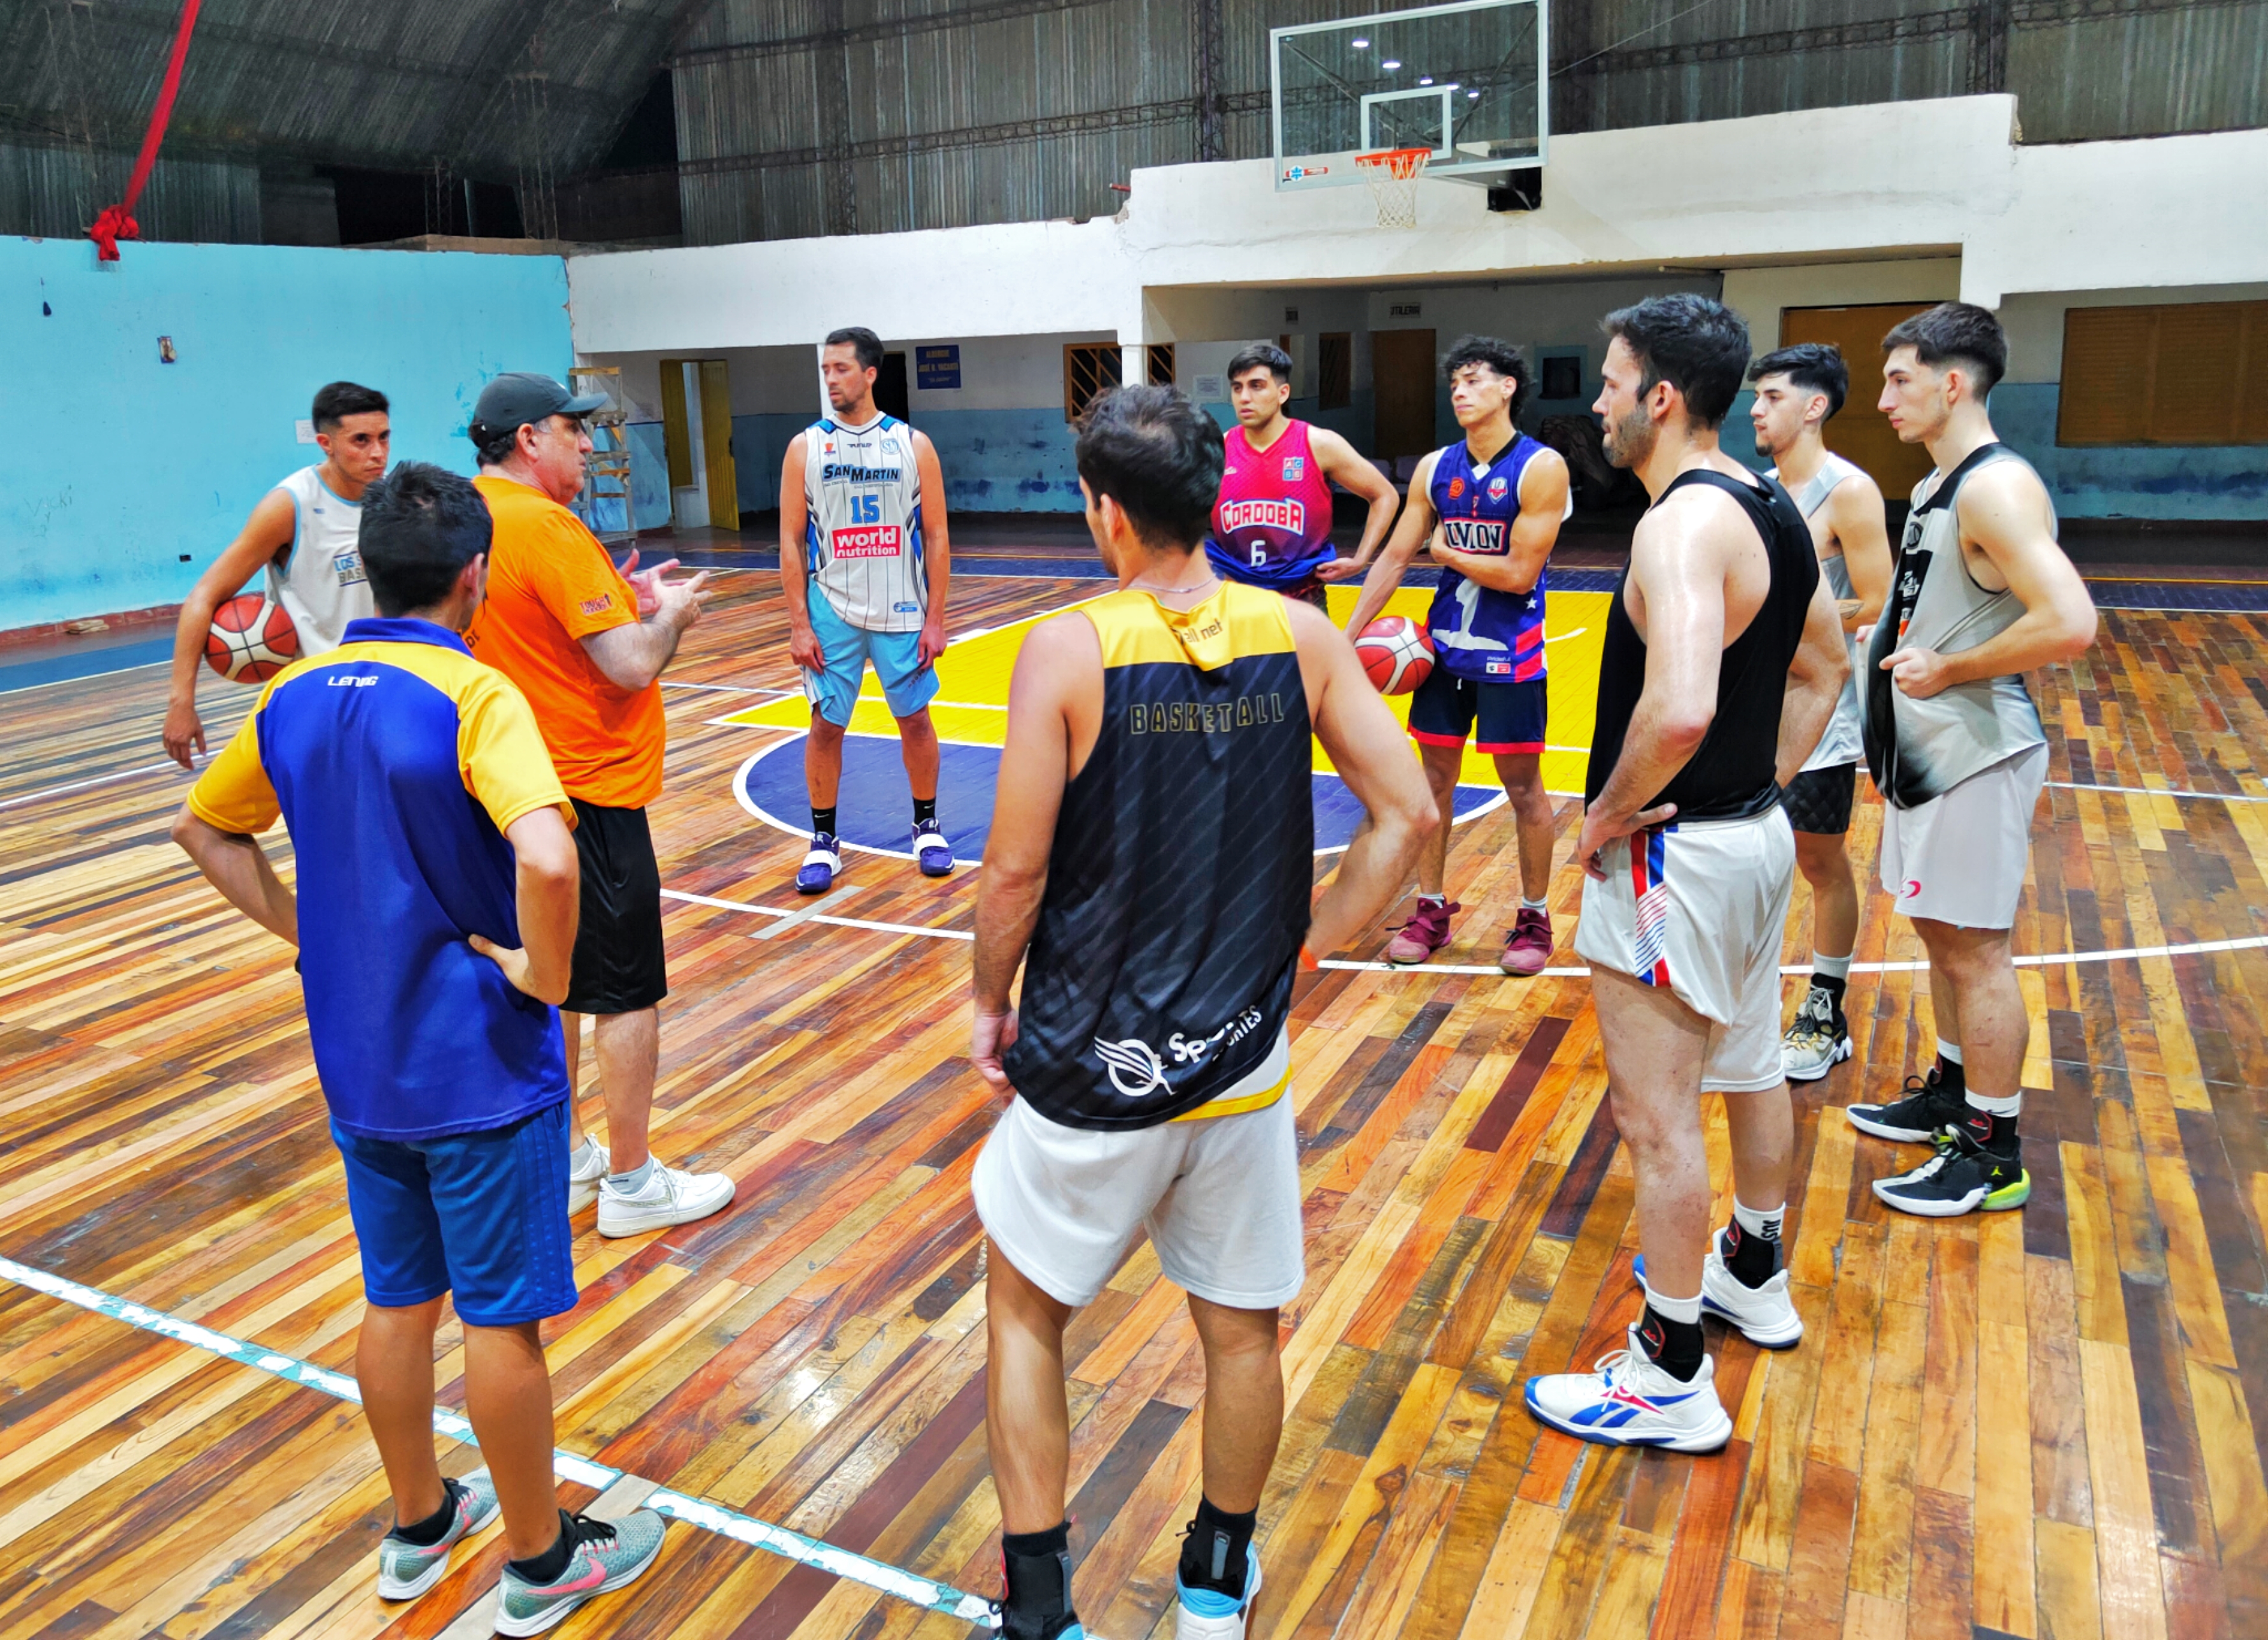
<point x="2041" y="1423"/>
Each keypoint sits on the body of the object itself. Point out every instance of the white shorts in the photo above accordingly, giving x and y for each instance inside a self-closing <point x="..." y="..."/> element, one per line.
<point x="1699" y="907"/>
<point x="1960" y="857"/>
<point x="1219" y="1196"/>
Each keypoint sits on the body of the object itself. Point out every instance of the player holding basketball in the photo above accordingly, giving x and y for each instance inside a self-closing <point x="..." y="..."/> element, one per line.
<point x="1272" y="525"/>
<point x="864" y="564"/>
<point x="303" y="533"/>
<point x="1722" y="660"/>
<point x="1487" y="512"/>
<point x="1982" y="595"/>
<point x="1799" y="390"/>
<point x="1150" y="866"/>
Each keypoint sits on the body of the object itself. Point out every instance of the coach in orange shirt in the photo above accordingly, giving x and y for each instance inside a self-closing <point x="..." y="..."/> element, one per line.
<point x="585" y="645"/>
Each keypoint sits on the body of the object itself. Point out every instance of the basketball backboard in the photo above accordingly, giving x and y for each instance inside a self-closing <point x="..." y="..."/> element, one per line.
<point x="1467" y="81"/>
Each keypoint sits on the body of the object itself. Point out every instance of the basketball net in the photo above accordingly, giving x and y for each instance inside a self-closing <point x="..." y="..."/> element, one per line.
<point x="1392" y="173"/>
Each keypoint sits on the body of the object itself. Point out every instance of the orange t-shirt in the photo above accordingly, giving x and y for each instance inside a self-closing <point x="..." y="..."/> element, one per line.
<point x="552" y="584"/>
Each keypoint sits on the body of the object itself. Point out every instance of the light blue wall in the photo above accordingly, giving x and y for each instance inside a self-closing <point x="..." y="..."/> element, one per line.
<point x="118" y="465"/>
<point x="2130" y="481"/>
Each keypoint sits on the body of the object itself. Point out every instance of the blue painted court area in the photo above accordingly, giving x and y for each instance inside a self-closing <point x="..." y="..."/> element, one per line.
<point x="874" y="810"/>
<point x="58" y="667"/>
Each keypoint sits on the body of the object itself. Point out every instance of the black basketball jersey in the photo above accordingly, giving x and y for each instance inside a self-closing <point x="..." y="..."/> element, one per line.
<point x="1160" y="970"/>
<point x="1734" y="775"/>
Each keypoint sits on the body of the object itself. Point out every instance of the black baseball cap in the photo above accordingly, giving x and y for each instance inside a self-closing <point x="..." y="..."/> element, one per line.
<point x="520" y="397"/>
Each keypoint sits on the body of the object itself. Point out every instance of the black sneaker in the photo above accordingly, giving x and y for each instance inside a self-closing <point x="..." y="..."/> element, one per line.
<point x="1926" y="1110"/>
<point x="1963" y="1177"/>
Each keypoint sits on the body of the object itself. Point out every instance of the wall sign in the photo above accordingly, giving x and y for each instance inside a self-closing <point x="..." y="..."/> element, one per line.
<point x="937" y="366"/>
<point x="1209" y="389"/>
<point x="1402" y="310"/>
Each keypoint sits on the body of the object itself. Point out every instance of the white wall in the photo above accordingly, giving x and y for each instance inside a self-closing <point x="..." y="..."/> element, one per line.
<point x="2034" y="320"/>
<point x="1759" y="295"/>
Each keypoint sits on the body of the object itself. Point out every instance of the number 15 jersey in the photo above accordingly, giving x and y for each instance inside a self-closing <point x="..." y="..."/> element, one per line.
<point x="862" y="532"/>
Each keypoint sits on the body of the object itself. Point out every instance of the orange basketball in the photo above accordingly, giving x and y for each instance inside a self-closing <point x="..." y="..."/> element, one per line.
<point x="1397" y="652"/>
<point x="251" y="640"/>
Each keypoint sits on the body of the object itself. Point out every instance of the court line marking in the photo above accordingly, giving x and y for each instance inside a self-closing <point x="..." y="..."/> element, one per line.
<point x="813" y="1552"/>
<point x="809" y="911"/>
<point x="80" y="785"/>
<point x="727" y="688"/>
<point x="840" y="922"/>
<point x="2130" y="953"/>
<point x="2157" y="790"/>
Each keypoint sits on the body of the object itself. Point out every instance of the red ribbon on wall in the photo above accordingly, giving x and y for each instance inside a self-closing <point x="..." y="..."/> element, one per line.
<point x="116" y="221"/>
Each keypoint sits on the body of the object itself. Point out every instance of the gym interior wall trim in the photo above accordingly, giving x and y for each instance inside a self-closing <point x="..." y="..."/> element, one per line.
<point x="121" y="466"/>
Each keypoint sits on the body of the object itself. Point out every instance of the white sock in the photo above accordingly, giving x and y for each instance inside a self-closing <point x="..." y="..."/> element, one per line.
<point x="1763" y="1222"/>
<point x="1833" y="967"/>
<point x="1527" y="903"/>
<point x="2008" y="1106"/>
<point x="1432" y="899"/>
<point x="581" y="1153"/>
<point x="1685" y="1310"/>
<point x="630" y="1183"/>
<point x="1949" y="1052"/>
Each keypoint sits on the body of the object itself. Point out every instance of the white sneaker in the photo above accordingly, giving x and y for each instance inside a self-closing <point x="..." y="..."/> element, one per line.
<point x="1202" y="1614"/>
<point x="1629" y="1401"/>
<point x="585" y="1169"/>
<point x="1765" y="1315"/>
<point x="670" y="1197"/>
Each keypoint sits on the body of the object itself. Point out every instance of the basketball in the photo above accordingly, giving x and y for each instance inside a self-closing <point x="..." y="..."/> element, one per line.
<point x="1397" y="652"/>
<point x="251" y="640"/>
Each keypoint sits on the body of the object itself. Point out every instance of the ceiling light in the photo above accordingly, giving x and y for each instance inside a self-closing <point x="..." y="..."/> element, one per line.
<point x="1425" y="79"/>
<point x="1360" y="45"/>
<point x="1390" y="62"/>
<point x="1472" y="96"/>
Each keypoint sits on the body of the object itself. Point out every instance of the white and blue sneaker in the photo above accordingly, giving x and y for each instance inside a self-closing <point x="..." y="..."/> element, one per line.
<point x="1209" y="1614"/>
<point x="820" y="865"/>
<point x="1766" y="1315"/>
<point x="1627" y="1400"/>
<point x="406" y="1569"/>
<point x="931" y="848"/>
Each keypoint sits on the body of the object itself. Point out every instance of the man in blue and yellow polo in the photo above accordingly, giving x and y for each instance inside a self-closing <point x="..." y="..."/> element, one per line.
<point x="435" y="925"/>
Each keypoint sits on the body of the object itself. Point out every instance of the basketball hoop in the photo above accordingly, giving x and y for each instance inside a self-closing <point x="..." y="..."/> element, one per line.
<point x="1392" y="173"/>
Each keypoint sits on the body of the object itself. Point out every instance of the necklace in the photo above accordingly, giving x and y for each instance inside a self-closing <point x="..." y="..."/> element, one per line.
<point x="1209" y="581"/>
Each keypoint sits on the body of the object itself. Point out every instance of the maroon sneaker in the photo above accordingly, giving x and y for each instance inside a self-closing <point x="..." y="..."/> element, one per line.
<point x="1426" y="932"/>
<point x="1528" y="948"/>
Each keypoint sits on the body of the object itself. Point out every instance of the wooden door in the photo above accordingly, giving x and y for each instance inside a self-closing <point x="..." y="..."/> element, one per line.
<point x="1860" y="432"/>
<point x="1402" y="379"/>
<point x="717" y="445"/>
<point x="676" y="425"/>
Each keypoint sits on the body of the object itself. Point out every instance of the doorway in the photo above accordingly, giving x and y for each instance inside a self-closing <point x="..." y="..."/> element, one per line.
<point x="696" y="428"/>
<point x="1401" y="374"/>
<point x="1860" y="432"/>
<point x="890" y="387"/>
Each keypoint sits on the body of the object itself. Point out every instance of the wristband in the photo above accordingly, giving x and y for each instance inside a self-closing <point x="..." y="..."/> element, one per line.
<point x="1308" y="960"/>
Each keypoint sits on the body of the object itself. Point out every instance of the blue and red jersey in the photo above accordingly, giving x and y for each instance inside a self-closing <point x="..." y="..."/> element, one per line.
<point x="1479" y="633"/>
<point x="1272" y="524"/>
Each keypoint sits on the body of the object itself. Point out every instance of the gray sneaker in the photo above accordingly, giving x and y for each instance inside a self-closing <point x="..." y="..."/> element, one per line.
<point x="406" y="1570"/>
<point x="1817" y="1042"/>
<point x="607" y="1554"/>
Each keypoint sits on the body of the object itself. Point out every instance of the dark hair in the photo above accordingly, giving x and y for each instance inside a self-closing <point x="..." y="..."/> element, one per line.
<point x="864" y="342"/>
<point x="494" y="444"/>
<point x="1160" y="457"/>
<point x="1277" y="361"/>
<point x="421" y="525"/>
<point x="1697" y="346"/>
<point x="1501" y="357"/>
<point x="335" y="400"/>
<point x="1956" y="333"/>
<point x="1814" y="366"/>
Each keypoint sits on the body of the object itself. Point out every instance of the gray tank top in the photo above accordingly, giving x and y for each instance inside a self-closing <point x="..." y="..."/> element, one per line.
<point x="1919" y="749"/>
<point x="1841" y="743"/>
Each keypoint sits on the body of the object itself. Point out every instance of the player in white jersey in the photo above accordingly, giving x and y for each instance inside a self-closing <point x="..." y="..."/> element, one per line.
<point x="864" y="562"/>
<point x="1799" y="390"/>
<point x="1981" y="595"/>
<point x="306" y="534"/>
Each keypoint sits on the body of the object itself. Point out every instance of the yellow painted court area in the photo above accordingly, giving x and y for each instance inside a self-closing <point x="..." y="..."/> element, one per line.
<point x="972" y="704"/>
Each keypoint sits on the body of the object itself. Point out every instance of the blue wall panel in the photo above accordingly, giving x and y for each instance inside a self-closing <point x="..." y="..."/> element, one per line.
<point x="2130" y="481"/>
<point x="118" y="464"/>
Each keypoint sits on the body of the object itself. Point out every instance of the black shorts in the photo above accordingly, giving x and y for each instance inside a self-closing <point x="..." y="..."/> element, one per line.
<point x="1446" y="710"/>
<point x="618" y="963"/>
<point x="1818" y="801"/>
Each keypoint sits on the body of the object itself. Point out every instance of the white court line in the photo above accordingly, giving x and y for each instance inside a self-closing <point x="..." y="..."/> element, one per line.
<point x="805" y="914"/>
<point x="2158" y="791"/>
<point x="2131" y="953"/>
<point x="80" y="785"/>
<point x="840" y="922"/>
<point x="728" y="688"/>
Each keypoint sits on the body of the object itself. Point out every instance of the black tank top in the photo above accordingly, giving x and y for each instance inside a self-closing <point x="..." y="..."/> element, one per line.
<point x="1734" y="775"/>
<point x="1160" y="970"/>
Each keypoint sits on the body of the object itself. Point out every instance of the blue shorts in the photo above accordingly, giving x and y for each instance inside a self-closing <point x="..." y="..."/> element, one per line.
<point x="907" y="684"/>
<point x="482" y="1214"/>
<point x="1445" y="709"/>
